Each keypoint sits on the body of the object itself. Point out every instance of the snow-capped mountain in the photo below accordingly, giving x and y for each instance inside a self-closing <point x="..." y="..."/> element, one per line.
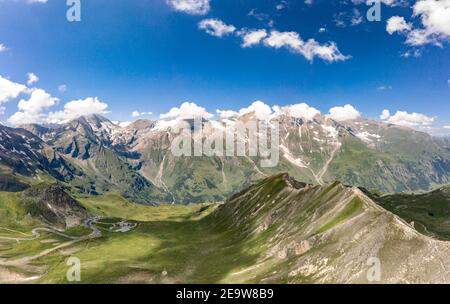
<point x="95" y="155"/>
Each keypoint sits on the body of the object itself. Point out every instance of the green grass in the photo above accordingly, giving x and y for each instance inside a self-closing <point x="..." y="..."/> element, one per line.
<point x="115" y="206"/>
<point x="170" y="244"/>
<point x="189" y="250"/>
<point x="430" y="212"/>
<point x="350" y="209"/>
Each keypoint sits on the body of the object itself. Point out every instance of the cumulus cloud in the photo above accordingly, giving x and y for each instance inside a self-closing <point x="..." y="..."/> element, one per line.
<point x="385" y="114"/>
<point x="216" y="27"/>
<point x="301" y="110"/>
<point x="187" y="110"/>
<point x="435" y="28"/>
<point x="77" y="108"/>
<point x="32" y="78"/>
<point x="31" y="110"/>
<point x="261" y="110"/>
<point x="435" y="17"/>
<point x="9" y="89"/>
<point x="309" y="49"/>
<point x="192" y="7"/>
<point x="227" y="114"/>
<point x="404" y="118"/>
<point x="252" y="37"/>
<point x="397" y="24"/>
<point x="347" y="112"/>
<point x="2" y="47"/>
<point x="138" y="114"/>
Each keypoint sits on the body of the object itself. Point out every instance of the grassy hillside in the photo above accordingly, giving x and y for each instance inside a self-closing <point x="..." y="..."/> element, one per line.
<point x="429" y="212"/>
<point x="277" y="231"/>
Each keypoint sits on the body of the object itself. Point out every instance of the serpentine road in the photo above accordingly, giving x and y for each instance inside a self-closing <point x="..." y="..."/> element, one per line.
<point x="36" y="235"/>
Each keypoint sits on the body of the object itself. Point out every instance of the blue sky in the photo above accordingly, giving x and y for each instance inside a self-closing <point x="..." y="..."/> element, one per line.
<point x="151" y="55"/>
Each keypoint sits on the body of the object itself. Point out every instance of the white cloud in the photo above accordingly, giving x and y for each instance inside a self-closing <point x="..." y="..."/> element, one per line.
<point x="32" y="78"/>
<point x="9" y="89"/>
<point x="412" y="53"/>
<point x="357" y="18"/>
<point x="252" y="37"/>
<point x="447" y="127"/>
<point x="216" y="27"/>
<point x="384" y="88"/>
<point x="227" y="114"/>
<point x="301" y="110"/>
<point x="281" y="5"/>
<point x="261" y="110"/>
<point x="397" y="24"/>
<point x="385" y="114"/>
<point x="192" y="7"/>
<point x="122" y="124"/>
<point x="31" y="110"/>
<point x="309" y="49"/>
<point x="187" y="110"/>
<point x="404" y="118"/>
<point x="322" y="30"/>
<point x="347" y="112"/>
<point x="2" y="47"/>
<point x="259" y="16"/>
<point x="62" y="88"/>
<point x="138" y="114"/>
<point x="77" y="108"/>
<point x="435" y="19"/>
<point x="37" y="1"/>
<point x="386" y="2"/>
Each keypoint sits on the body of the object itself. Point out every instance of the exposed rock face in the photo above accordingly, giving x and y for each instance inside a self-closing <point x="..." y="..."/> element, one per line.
<point x="54" y="206"/>
<point x="329" y="234"/>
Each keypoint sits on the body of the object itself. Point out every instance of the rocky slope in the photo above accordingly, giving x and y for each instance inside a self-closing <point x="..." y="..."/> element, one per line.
<point x="328" y="234"/>
<point x="54" y="206"/>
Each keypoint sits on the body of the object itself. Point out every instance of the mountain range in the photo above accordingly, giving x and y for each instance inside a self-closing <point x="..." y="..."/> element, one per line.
<point x="95" y="156"/>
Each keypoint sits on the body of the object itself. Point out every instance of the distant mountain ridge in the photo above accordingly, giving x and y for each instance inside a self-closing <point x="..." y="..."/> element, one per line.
<point x="95" y="155"/>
